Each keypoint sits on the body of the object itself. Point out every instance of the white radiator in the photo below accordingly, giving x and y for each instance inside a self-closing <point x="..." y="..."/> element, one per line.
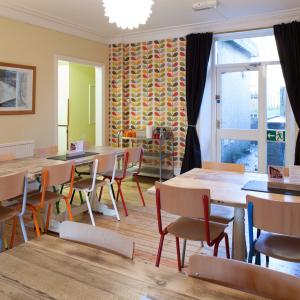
<point x="18" y="149"/>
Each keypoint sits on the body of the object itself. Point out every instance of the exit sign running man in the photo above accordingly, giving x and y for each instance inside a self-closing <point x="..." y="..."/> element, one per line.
<point x="276" y="135"/>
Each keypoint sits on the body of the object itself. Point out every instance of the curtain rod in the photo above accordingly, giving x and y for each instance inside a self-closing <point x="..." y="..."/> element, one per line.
<point x="243" y="30"/>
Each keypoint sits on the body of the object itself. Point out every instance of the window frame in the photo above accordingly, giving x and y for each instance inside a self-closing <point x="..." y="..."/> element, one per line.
<point x="291" y="126"/>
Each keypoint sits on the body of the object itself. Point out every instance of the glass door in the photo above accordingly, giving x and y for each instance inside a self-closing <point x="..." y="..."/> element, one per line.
<point x="238" y="115"/>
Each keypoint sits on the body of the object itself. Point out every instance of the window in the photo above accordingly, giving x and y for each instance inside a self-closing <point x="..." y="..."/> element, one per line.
<point x="251" y="103"/>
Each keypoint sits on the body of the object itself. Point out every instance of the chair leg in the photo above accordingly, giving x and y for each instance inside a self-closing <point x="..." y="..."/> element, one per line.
<point x="100" y="194"/>
<point x="118" y="193"/>
<point x="36" y="223"/>
<point x="227" y="245"/>
<point x="267" y="261"/>
<point x="216" y="247"/>
<point x="139" y="188"/>
<point x="40" y="220"/>
<point x="21" y="220"/>
<point x="178" y="254"/>
<point x="13" y="232"/>
<point x="122" y="197"/>
<point x="183" y="253"/>
<point x="89" y="208"/>
<point x="81" y="198"/>
<point x="49" y="212"/>
<point x="161" y="243"/>
<point x="69" y="208"/>
<point x="257" y="258"/>
<point x="72" y="198"/>
<point x="113" y="201"/>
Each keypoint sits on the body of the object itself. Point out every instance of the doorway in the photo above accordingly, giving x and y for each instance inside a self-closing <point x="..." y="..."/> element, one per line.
<point x="80" y="103"/>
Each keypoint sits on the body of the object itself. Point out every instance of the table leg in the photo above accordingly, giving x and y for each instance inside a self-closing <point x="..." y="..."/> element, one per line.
<point x="239" y="247"/>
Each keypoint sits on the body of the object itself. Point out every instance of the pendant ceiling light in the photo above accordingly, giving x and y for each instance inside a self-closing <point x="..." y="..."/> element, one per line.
<point x="128" y="13"/>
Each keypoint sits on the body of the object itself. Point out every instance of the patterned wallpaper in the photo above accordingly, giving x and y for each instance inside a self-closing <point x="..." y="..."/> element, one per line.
<point x="147" y="87"/>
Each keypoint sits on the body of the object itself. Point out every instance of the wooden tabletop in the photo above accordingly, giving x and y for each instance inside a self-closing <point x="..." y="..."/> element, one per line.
<point x="51" y="268"/>
<point x="226" y="187"/>
<point x="34" y="165"/>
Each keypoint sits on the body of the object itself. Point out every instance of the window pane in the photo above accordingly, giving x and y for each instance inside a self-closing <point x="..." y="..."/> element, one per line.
<point x="257" y="49"/>
<point x="275" y="153"/>
<point x="240" y="152"/>
<point x="276" y="98"/>
<point x="239" y="105"/>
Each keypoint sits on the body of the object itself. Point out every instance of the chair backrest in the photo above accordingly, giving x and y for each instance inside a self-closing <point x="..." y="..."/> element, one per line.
<point x="135" y="155"/>
<point x="96" y="236"/>
<point x="7" y="157"/>
<point x="12" y="185"/>
<point x="245" y="277"/>
<point x="185" y="202"/>
<point x="44" y="152"/>
<point x="275" y="216"/>
<point x="223" y="166"/>
<point x="106" y="162"/>
<point x="58" y="174"/>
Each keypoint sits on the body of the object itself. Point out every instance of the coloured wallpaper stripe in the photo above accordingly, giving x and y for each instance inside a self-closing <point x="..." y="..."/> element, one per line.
<point x="147" y="87"/>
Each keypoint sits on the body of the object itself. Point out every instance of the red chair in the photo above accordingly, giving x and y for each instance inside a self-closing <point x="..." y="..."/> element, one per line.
<point x="193" y="207"/>
<point x="132" y="156"/>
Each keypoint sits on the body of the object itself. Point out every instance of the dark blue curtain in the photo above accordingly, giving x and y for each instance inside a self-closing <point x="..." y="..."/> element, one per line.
<point x="197" y="56"/>
<point x="288" y="44"/>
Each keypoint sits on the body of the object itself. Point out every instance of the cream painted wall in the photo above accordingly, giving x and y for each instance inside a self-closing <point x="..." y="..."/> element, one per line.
<point x="30" y="45"/>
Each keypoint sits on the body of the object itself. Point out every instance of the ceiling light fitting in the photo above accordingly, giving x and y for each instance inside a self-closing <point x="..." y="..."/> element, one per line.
<point x="128" y="14"/>
<point x="205" y="4"/>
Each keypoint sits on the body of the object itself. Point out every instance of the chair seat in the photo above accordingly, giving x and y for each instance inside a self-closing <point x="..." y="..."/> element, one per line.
<point x="118" y="174"/>
<point x="50" y="197"/>
<point x="194" y="229"/>
<point x="221" y="214"/>
<point x="279" y="246"/>
<point x="7" y="213"/>
<point x="87" y="183"/>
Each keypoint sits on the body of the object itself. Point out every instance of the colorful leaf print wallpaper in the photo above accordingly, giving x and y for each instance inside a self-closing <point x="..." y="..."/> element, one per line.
<point x="147" y="87"/>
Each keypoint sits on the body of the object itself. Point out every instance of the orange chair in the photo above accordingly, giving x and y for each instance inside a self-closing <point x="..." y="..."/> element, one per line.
<point x="193" y="205"/>
<point x="132" y="156"/>
<point x="51" y="176"/>
<point x="12" y="186"/>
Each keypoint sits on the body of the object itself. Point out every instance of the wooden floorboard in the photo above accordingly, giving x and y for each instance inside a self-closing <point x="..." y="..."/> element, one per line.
<point x="141" y="225"/>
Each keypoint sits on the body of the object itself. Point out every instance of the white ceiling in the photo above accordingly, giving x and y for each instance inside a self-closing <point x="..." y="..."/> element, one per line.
<point x="169" y="18"/>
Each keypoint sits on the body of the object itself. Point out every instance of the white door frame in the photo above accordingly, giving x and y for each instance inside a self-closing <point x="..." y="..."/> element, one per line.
<point x="100" y="107"/>
<point x="253" y="134"/>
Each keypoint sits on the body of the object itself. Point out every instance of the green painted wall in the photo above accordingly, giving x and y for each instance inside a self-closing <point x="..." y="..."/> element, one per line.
<point x="81" y="77"/>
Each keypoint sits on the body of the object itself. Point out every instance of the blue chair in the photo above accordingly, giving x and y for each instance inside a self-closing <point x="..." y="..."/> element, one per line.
<point x="278" y="229"/>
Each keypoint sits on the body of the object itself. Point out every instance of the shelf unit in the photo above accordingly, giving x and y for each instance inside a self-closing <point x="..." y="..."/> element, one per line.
<point x="153" y="170"/>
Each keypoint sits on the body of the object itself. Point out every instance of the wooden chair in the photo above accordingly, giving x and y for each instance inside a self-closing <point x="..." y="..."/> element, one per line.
<point x="102" y="164"/>
<point x="221" y="213"/>
<point x="51" y="176"/>
<point x="98" y="237"/>
<point x="193" y="205"/>
<point x="6" y="157"/>
<point x="12" y="186"/>
<point x="245" y="277"/>
<point x="281" y="225"/>
<point x="132" y="156"/>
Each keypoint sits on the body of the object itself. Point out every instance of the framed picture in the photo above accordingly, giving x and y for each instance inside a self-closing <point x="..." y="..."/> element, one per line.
<point x="17" y="89"/>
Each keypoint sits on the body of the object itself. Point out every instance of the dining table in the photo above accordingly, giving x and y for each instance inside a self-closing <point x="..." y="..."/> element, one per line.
<point x="52" y="268"/>
<point x="226" y="188"/>
<point x="34" y="165"/>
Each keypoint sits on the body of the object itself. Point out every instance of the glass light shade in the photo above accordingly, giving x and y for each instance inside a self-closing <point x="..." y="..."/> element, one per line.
<point x="128" y="13"/>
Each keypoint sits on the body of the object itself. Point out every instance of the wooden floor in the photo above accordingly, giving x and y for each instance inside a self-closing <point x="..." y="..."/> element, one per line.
<point x="141" y="224"/>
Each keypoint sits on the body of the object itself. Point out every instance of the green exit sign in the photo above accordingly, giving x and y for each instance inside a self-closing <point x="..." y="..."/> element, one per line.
<point x="276" y="135"/>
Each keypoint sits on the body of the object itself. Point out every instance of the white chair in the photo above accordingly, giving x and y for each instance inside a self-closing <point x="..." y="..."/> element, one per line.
<point x="102" y="164"/>
<point x="98" y="237"/>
